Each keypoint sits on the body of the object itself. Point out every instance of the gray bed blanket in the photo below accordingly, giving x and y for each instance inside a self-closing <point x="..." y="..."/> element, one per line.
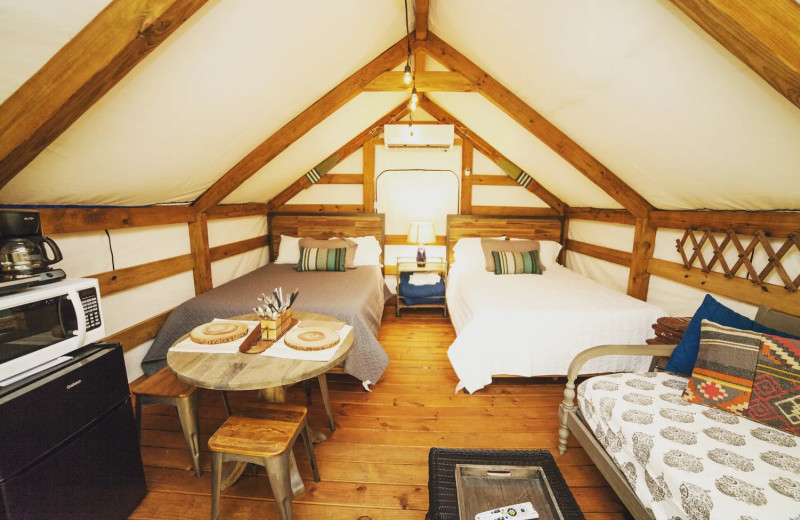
<point x="356" y="296"/>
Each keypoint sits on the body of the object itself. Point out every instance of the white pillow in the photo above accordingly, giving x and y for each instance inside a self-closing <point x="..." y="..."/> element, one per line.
<point x="468" y="252"/>
<point x="548" y="251"/>
<point x="368" y="251"/>
<point x="289" y="250"/>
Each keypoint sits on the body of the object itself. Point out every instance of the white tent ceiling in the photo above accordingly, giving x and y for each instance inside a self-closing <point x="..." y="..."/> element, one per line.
<point x="636" y="83"/>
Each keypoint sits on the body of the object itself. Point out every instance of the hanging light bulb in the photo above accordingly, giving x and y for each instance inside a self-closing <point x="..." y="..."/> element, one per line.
<point x="414" y="96"/>
<point x="412" y="105"/>
<point x="407" y="75"/>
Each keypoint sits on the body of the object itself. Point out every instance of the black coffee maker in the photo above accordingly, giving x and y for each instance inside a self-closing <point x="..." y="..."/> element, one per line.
<point x="26" y="255"/>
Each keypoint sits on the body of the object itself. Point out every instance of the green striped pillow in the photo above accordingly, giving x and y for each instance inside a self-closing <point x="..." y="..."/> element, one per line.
<point x="507" y="262"/>
<point x="320" y="259"/>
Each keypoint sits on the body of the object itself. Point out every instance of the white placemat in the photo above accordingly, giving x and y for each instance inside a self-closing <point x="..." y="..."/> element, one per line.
<point x="280" y="350"/>
<point x="230" y="347"/>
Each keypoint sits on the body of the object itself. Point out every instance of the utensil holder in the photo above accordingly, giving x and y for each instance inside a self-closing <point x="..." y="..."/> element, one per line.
<point x="272" y="329"/>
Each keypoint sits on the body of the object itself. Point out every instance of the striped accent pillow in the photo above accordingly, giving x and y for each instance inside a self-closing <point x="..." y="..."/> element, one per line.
<point x="725" y="368"/>
<point x="508" y="262"/>
<point x="321" y="259"/>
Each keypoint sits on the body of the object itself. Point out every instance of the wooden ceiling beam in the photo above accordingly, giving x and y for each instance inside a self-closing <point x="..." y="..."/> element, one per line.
<point x="535" y="123"/>
<point x="764" y="35"/>
<point x="439" y="81"/>
<point x="489" y="151"/>
<point x="297" y="127"/>
<point x="80" y="73"/>
<point x="344" y="152"/>
<point x="421" y="19"/>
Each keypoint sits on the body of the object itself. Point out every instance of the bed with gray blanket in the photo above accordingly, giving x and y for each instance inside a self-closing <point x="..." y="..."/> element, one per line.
<point x="355" y="296"/>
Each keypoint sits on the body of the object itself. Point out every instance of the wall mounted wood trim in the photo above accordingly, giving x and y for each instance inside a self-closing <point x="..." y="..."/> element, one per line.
<point x="614" y="256"/>
<point x="644" y="241"/>
<point x="300" y="125"/>
<point x="81" y="220"/>
<point x="777" y="223"/>
<point x="198" y="240"/>
<point x="435" y="81"/>
<point x="342" y="178"/>
<point x="137" y="334"/>
<point x="467" y="156"/>
<point x="493" y="180"/>
<point x="80" y="73"/>
<point x="613" y="216"/>
<point x="368" y="167"/>
<point x="237" y="210"/>
<point x="321" y="208"/>
<point x="514" y="210"/>
<point x="129" y="277"/>
<point x="741" y="289"/>
<point x="236" y="248"/>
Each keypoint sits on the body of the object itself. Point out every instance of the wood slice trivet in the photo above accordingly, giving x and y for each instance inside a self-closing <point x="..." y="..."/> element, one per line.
<point x="311" y="339"/>
<point x="218" y="332"/>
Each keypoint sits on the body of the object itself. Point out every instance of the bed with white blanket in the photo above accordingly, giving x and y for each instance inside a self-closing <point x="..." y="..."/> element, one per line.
<point x="533" y="325"/>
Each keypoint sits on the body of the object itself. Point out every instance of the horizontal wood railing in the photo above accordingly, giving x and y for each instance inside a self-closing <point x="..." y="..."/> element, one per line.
<point x="137" y="334"/>
<point x="79" y="220"/>
<point x="514" y="211"/>
<point x="742" y="289"/>
<point x="778" y="223"/>
<point x="129" y="277"/>
<point x="614" y="256"/>
<point x="321" y="208"/>
<point x="237" y="248"/>
<point x="613" y="216"/>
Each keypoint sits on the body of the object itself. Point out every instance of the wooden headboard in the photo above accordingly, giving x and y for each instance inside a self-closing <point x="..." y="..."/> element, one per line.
<point x="318" y="225"/>
<point x="540" y="228"/>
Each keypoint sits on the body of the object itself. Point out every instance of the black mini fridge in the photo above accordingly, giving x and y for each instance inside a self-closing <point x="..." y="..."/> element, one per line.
<point x="68" y="442"/>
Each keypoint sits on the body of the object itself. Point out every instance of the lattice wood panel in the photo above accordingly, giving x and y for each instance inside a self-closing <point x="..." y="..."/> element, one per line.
<point x="691" y="246"/>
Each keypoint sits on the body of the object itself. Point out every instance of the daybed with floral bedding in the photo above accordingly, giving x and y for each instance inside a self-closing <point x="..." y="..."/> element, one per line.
<point x="668" y="457"/>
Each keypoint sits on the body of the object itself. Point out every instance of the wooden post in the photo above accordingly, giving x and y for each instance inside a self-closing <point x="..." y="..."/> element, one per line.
<point x="198" y="240"/>
<point x="644" y="240"/>
<point x="369" y="176"/>
<point x="466" y="177"/>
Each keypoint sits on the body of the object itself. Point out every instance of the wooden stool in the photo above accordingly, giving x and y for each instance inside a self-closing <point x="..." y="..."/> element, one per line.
<point x="164" y="387"/>
<point x="262" y="434"/>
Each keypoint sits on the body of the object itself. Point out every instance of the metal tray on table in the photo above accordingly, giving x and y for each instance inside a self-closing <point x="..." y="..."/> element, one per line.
<point x="482" y="488"/>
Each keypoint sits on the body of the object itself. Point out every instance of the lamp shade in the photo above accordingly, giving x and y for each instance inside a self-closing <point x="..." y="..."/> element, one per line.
<point x="421" y="233"/>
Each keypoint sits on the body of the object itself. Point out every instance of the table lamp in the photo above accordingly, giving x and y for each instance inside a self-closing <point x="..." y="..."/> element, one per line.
<point x="421" y="233"/>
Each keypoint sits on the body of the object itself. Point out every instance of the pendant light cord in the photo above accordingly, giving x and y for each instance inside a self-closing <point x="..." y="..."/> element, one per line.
<point x="408" y="35"/>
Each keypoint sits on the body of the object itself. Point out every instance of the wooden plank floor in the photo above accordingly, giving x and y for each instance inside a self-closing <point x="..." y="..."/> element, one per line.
<point x="375" y="465"/>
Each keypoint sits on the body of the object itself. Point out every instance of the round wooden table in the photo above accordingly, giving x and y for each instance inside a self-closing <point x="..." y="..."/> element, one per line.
<point x="270" y="376"/>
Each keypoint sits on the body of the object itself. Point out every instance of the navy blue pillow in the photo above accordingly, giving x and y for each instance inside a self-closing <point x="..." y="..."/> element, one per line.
<point x="685" y="354"/>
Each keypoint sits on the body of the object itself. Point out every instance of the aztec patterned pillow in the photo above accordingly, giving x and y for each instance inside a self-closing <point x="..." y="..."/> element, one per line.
<point x="321" y="259"/>
<point x="507" y="262"/>
<point x="725" y="367"/>
<point x="775" y="400"/>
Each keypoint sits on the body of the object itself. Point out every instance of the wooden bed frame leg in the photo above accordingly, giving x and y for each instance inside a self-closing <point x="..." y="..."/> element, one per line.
<point x="564" y="409"/>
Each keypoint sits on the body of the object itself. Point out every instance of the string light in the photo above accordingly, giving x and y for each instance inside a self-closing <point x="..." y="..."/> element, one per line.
<point x="407" y="74"/>
<point x="414" y="97"/>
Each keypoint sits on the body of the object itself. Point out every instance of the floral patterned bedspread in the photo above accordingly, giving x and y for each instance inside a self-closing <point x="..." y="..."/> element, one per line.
<point x="689" y="461"/>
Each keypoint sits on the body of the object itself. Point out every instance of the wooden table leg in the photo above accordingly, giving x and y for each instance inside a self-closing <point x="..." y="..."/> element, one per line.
<point x="278" y="395"/>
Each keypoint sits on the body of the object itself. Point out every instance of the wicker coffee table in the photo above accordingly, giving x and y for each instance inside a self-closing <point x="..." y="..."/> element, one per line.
<point x="442" y="482"/>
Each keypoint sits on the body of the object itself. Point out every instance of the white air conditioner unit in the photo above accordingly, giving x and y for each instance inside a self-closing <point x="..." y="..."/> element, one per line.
<point x="419" y="136"/>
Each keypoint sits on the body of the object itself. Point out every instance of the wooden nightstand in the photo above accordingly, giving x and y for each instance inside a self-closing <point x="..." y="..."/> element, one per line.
<point x="429" y="301"/>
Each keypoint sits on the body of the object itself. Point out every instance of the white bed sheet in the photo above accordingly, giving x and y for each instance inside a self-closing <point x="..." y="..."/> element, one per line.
<point x="533" y="325"/>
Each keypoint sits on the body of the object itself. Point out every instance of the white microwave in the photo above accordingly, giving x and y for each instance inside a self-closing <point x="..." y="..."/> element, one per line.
<point x="40" y="324"/>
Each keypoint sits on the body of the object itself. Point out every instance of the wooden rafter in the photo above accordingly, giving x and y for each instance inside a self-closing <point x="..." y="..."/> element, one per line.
<point x="764" y="35"/>
<point x="344" y="152"/>
<point x="488" y="150"/>
<point x="421" y="17"/>
<point x="435" y="81"/>
<point x="297" y="127"/>
<point x="535" y="123"/>
<point x="80" y="73"/>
